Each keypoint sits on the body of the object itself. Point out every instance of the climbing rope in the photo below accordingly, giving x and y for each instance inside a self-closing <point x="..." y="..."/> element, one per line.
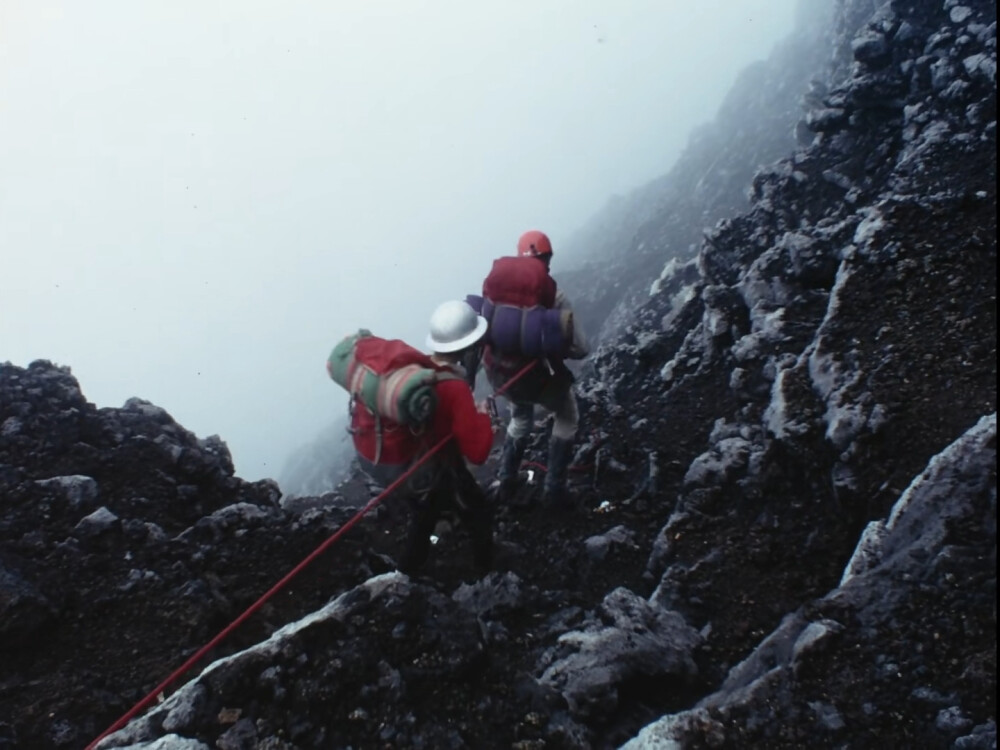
<point x="196" y="656"/>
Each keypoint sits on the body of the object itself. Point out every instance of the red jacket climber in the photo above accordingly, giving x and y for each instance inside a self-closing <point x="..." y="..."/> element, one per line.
<point x="443" y="482"/>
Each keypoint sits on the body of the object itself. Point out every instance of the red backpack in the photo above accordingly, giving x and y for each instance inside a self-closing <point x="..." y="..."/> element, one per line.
<point x="385" y="374"/>
<point x="521" y="282"/>
<point x="381" y="441"/>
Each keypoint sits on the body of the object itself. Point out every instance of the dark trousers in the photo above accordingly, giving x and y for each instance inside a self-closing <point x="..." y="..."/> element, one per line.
<point x="443" y="485"/>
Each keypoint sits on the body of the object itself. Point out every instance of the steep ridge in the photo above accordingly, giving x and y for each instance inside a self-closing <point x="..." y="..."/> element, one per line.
<point x="787" y="472"/>
<point x="759" y="122"/>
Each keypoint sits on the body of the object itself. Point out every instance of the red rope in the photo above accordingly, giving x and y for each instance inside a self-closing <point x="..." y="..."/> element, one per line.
<point x="260" y="602"/>
<point x="145" y="702"/>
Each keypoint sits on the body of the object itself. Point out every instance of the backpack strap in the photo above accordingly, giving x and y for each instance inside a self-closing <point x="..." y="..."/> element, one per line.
<point x="352" y="405"/>
<point x="378" y="438"/>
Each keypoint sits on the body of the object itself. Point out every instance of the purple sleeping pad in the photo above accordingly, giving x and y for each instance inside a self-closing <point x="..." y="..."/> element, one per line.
<point x="532" y="331"/>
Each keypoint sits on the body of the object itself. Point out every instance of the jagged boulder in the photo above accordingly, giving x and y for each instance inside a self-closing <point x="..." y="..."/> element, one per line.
<point x="936" y="551"/>
<point x="628" y="638"/>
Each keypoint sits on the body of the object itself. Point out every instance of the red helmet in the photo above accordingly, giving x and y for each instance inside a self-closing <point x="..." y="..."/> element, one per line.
<point x="534" y="243"/>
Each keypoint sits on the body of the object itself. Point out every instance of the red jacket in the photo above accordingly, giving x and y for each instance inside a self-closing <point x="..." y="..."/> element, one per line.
<point x="455" y="414"/>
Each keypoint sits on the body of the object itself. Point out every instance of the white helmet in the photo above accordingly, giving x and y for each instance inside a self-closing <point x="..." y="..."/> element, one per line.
<point x="455" y="326"/>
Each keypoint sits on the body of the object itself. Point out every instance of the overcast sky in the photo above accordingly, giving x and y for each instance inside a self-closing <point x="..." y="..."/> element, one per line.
<point x="199" y="199"/>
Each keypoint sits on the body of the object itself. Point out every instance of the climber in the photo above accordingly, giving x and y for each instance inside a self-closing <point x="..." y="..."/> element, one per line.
<point x="443" y="484"/>
<point x="524" y="282"/>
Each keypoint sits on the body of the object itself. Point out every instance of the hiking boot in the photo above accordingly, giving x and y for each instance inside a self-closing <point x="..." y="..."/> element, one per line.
<point x="555" y="494"/>
<point x="510" y="463"/>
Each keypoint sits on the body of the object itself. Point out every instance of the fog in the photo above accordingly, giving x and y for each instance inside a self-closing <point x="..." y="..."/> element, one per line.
<point x="198" y="200"/>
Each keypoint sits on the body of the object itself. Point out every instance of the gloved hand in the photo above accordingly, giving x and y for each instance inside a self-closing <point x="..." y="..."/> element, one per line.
<point x="489" y="407"/>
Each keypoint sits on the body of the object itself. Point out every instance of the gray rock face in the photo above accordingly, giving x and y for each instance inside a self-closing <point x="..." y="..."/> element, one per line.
<point x="597" y="547"/>
<point x="80" y="491"/>
<point x="898" y="94"/>
<point x="493" y="594"/>
<point x="631" y="638"/>
<point x="23" y="608"/>
<point x="957" y="490"/>
<point x="632" y="239"/>
<point x="329" y="650"/>
<point x="98" y="522"/>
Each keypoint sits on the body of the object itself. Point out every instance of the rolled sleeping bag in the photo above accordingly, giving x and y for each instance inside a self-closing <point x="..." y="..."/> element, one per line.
<point x="340" y="364"/>
<point x="543" y="333"/>
<point x="555" y="330"/>
<point x="405" y="395"/>
<point x="532" y="332"/>
<point x="505" y="329"/>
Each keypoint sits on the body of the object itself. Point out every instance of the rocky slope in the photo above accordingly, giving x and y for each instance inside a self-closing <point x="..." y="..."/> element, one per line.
<point x="787" y="480"/>
<point x="759" y="122"/>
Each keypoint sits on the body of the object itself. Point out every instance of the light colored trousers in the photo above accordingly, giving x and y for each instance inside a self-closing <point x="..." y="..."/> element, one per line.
<point x="522" y="416"/>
